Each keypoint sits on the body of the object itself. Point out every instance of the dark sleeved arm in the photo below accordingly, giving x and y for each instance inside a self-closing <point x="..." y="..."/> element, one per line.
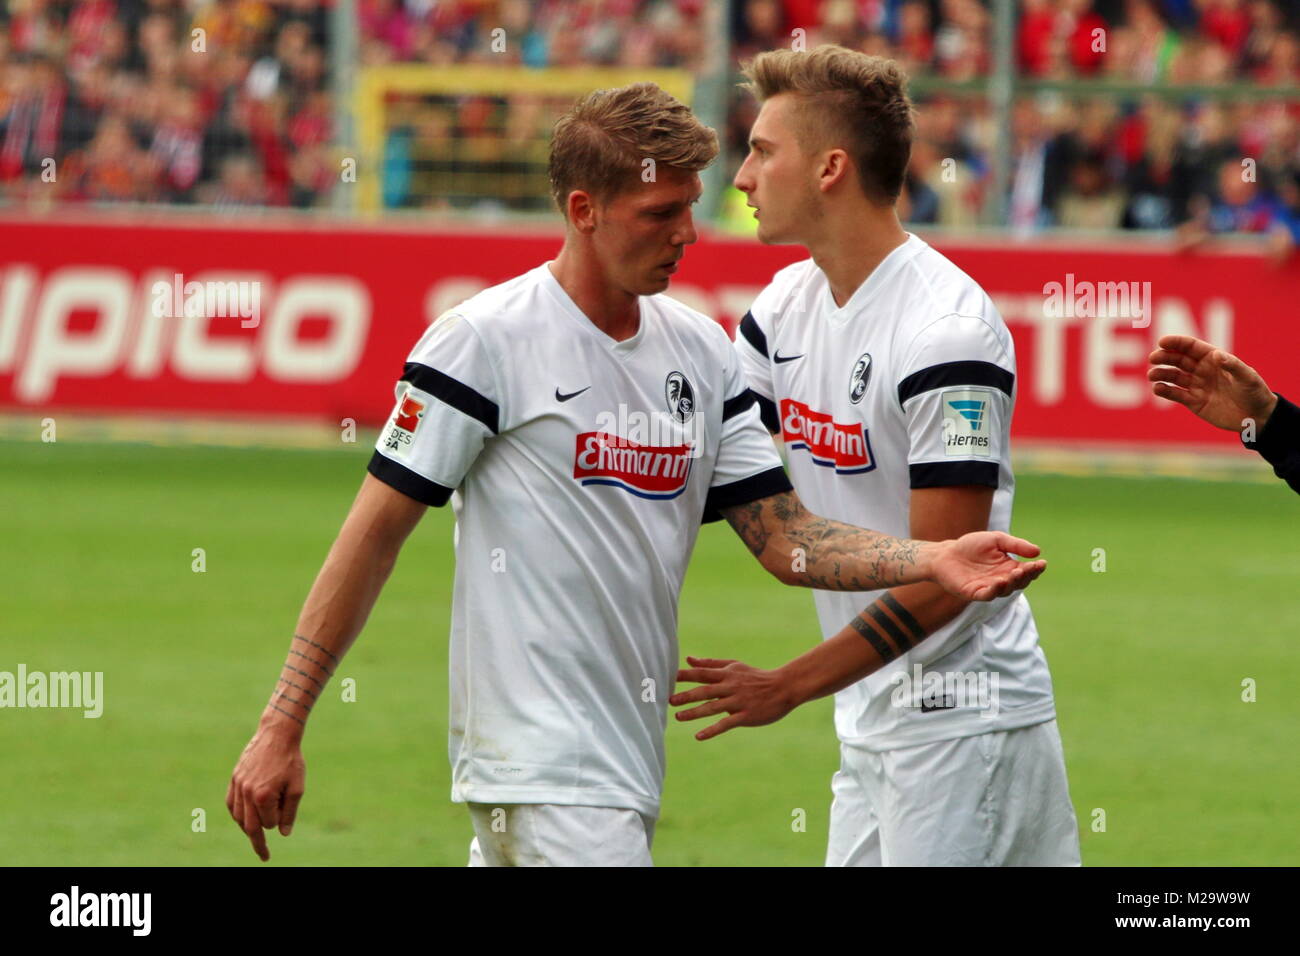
<point x="1279" y="442"/>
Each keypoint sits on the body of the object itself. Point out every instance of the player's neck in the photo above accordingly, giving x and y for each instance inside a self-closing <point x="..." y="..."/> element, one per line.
<point x="610" y="309"/>
<point x="850" y="247"/>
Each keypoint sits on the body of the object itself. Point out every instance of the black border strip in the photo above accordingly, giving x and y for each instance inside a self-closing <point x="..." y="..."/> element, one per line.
<point x="409" y="483"/>
<point x="455" y="393"/>
<point x="753" y="334"/>
<point x="944" y="474"/>
<point x="734" y="406"/>
<point x="774" y="481"/>
<point x="956" y="375"/>
<point x="767" y="411"/>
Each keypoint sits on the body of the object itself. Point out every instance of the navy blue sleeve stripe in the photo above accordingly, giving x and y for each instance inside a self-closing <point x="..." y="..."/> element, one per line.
<point x="767" y="411"/>
<point x="408" y="482"/>
<point x="955" y="375"/>
<point x="753" y="334"/>
<point x="455" y="393"/>
<point x="734" y="406"/>
<point x="763" y="485"/>
<point x="944" y="474"/>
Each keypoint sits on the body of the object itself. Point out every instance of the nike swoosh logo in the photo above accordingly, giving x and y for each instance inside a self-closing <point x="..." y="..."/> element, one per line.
<point x="565" y="398"/>
<point x="778" y="358"/>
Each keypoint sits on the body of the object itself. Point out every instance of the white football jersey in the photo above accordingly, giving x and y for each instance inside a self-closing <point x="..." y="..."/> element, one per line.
<point x="909" y="385"/>
<point x="579" y="469"/>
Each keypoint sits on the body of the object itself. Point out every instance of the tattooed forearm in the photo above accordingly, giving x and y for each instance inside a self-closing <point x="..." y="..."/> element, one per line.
<point x="307" y="665"/>
<point x="819" y="552"/>
<point x="747" y="519"/>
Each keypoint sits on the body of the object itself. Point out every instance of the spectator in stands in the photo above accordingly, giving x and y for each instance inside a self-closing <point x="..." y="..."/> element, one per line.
<point x="915" y="44"/>
<point x="240" y="186"/>
<point x="1228" y="23"/>
<point x="32" y="130"/>
<point x="950" y="183"/>
<point x="1156" y="194"/>
<point x="1092" y="201"/>
<point x="1265" y="28"/>
<point x="1154" y="43"/>
<point x="1027" y="209"/>
<point x="1069" y="33"/>
<point x="1240" y="205"/>
<point x="761" y="27"/>
<point x="178" y="146"/>
<point x="388" y="23"/>
<point x="113" y="168"/>
<point x="961" y="40"/>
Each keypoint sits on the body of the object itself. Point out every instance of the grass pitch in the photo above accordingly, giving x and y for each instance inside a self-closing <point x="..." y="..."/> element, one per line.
<point x="1148" y="659"/>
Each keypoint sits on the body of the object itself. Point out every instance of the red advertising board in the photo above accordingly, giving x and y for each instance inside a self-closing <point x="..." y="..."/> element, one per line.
<point x="317" y="317"/>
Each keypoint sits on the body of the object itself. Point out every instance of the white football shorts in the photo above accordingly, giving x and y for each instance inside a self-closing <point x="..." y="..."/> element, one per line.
<point x="994" y="799"/>
<point x="545" y="834"/>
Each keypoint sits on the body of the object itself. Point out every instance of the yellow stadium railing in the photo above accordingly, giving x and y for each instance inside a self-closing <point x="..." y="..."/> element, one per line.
<point x="375" y="86"/>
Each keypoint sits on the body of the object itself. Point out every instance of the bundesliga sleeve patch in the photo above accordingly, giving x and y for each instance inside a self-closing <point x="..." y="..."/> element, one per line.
<point x="406" y="420"/>
<point x="409" y="414"/>
<point x="968" y="422"/>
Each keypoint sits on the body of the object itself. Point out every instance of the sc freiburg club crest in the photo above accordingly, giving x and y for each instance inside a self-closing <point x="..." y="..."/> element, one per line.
<point x="858" y="380"/>
<point x="681" y="397"/>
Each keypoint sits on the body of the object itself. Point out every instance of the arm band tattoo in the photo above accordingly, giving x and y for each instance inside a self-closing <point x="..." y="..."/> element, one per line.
<point x="306" y="675"/>
<point x="299" y="637"/>
<point x="305" y="690"/>
<point x="886" y="624"/>
<point x="289" y="715"/>
<point x="877" y="642"/>
<point x="328" y="672"/>
<point x="293" y="700"/>
<point x="281" y="694"/>
<point x="904" y="617"/>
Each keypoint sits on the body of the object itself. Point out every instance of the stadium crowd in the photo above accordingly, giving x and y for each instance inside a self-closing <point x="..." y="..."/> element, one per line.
<point x="222" y="103"/>
<point x="226" y="102"/>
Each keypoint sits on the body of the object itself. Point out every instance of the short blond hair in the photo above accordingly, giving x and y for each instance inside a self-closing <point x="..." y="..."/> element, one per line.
<point x="600" y="145"/>
<point x="848" y="99"/>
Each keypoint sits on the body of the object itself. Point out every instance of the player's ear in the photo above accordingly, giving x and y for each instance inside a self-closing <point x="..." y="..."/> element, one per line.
<point x="835" y="168"/>
<point x="582" y="211"/>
